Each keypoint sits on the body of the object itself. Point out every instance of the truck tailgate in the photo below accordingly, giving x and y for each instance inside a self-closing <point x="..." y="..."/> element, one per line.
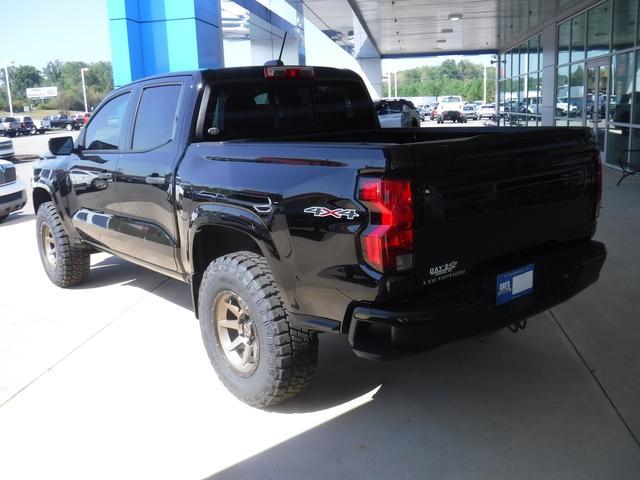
<point x="483" y="197"/>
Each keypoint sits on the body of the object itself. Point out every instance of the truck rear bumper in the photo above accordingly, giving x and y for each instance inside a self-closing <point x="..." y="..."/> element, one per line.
<point x="390" y="331"/>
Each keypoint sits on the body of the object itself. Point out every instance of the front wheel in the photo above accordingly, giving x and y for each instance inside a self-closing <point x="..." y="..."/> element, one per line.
<point x="257" y="354"/>
<point x="64" y="263"/>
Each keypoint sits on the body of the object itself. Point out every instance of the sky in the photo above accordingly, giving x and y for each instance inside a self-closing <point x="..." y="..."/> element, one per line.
<point x="46" y="30"/>
<point x="79" y="30"/>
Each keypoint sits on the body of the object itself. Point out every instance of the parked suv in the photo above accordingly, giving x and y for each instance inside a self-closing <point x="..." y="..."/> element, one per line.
<point x="470" y="111"/>
<point x="488" y="110"/>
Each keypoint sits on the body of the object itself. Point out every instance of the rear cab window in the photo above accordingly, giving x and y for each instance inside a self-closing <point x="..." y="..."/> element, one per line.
<point x="269" y="108"/>
<point x="156" y="117"/>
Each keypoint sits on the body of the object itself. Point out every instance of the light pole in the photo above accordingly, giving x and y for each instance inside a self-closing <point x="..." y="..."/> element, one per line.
<point x="484" y="84"/>
<point x="6" y="73"/>
<point x="395" y="84"/>
<point x="84" y="88"/>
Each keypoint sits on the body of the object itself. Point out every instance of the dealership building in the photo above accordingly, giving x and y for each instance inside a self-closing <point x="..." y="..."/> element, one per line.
<point x="561" y="62"/>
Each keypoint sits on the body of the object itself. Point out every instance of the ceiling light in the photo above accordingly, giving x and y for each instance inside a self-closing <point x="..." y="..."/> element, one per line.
<point x="442" y="40"/>
<point x="446" y="30"/>
<point x="455" y="16"/>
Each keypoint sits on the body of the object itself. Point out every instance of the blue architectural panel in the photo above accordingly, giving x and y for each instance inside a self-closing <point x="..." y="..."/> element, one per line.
<point x="156" y="36"/>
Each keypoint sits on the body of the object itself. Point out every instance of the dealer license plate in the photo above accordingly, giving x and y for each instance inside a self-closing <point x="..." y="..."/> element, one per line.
<point x="514" y="284"/>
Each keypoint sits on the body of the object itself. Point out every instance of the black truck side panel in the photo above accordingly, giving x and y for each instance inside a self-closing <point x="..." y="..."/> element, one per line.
<point x="263" y="190"/>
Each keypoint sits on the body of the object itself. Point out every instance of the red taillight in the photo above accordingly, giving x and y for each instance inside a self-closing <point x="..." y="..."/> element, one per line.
<point x="387" y="242"/>
<point x="288" y="72"/>
<point x="598" y="182"/>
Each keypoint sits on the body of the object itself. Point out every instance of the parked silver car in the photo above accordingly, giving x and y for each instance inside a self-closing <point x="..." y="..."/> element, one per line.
<point x="13" y="194"/>
<point x="6" y="148"/>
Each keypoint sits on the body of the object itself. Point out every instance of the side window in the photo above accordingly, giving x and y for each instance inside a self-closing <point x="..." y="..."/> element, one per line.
<point x="103" y="133"/>
<point x="156" y="118"/>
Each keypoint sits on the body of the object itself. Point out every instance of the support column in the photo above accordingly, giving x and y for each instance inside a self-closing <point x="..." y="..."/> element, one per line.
<point x="367" y="57"/>
<point x="549" y="52"/>
<point x="157" y="36"/>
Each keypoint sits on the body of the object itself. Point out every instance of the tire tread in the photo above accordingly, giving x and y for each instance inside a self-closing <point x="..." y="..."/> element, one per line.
<point x="293" y="363"/>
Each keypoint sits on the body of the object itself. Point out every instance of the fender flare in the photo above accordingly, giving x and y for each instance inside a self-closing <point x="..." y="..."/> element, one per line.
<point x="252" y="225"/>
<point x="52" y="191"/>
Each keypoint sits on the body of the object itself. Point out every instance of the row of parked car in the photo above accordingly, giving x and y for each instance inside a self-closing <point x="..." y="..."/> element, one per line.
<point x="404" y="114"/>
<point x="25" y="125"/>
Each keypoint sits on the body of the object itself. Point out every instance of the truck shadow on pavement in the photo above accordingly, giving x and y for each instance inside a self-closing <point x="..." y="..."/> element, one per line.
<point x="470" y="409"/>
<point x="113" y="270"/>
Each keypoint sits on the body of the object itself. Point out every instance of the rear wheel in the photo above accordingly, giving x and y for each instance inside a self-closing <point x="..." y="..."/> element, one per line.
<point x="257" y="354"/>
<point x="68" y="127"/>
<point x="65" y="264"/>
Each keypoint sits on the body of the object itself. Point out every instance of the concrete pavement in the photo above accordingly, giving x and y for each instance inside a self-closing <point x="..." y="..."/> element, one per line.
<point x="110" y="380"/>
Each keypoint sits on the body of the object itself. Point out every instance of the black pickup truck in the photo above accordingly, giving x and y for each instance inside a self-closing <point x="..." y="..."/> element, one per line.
<point x="60" y="121"/>
<point x="274" y="193"/>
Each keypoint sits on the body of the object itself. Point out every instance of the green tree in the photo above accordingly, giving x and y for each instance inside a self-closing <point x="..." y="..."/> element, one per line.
<point x="100" y="76"/>
<point x="23" y="77"/>
<point x="70" y="77"/>
<point x="450" y="78"/>
<point x="53" y="72"/>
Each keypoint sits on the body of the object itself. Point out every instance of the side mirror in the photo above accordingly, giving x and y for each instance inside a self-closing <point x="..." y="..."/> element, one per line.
<point x="61" y="145"/>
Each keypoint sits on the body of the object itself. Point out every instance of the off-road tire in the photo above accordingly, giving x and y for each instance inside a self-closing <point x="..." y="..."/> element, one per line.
<point x="72" y="262"/>
<point x="288" y="355"/>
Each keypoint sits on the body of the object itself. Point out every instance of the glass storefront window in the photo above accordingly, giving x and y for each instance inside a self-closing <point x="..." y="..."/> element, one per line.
<point x="576" y="105"/>
<point x="633" y="160"/>
<point x="624" y="24"/>
<point x="617" y="143"/>
<point x="564" y="40"/>
<point x="578" y="25"/>
<point x="534" y="46"/>
<point x="524" y="54"/>
<point x="520" y="85"/>
<point x="532" y="100"/>
<point x="562" y="97"/>
<point x="636" y="110"/>
<point x="598" y="30"/>
<point x="621" y="90"/>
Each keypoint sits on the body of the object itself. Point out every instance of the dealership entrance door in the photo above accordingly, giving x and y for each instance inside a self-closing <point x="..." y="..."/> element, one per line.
<point x="597" y="100"/>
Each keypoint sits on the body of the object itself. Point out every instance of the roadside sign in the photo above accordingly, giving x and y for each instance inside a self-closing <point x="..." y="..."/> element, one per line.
<point x="42" y="92"/>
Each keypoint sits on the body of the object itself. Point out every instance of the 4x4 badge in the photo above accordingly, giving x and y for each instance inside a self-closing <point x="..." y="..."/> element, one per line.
<point x="350" y="213"/>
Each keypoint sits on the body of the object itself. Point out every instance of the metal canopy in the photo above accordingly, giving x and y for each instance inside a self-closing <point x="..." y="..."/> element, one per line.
<point x="428" y="27"/>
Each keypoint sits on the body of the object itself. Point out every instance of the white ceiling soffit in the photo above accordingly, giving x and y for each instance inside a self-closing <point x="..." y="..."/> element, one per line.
<point x="419" y="27"/>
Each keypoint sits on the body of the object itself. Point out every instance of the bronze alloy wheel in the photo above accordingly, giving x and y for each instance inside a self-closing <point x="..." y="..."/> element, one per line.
<point x="237" y="336"/>
<point x="48" y="245"/>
